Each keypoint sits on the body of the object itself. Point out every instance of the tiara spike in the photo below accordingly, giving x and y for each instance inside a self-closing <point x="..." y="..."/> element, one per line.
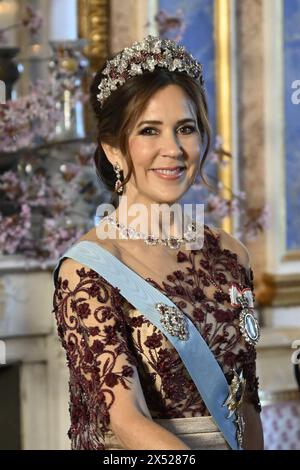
<point x="144" y="56"/>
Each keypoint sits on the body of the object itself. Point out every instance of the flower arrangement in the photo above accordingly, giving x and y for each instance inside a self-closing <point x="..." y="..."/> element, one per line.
<point x="40" y="214"/>
<point x="39" y="211"/>
<point x="29" y="121"/>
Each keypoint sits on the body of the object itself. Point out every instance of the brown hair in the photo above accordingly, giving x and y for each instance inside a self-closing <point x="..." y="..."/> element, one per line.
<point x="122" y="109"/>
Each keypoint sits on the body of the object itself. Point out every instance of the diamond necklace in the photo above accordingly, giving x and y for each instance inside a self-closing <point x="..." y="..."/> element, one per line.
<point x="190" y="235"/>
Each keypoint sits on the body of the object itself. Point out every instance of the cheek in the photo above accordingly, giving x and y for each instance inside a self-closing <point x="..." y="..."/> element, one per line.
<point x="193" y="150"/>
<point x="142" y="153"/>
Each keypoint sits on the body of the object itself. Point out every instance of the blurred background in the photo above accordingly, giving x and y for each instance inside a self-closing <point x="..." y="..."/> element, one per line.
<point x="49" y="51"/>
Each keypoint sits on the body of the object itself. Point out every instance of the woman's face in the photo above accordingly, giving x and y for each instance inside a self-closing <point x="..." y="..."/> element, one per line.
<point x="166" y="135"/>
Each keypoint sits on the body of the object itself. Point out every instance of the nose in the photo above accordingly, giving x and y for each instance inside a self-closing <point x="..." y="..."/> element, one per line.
<point x="171" y="146"/>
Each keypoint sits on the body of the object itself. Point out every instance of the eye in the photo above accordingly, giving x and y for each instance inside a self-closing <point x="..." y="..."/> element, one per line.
<point x="187" y="129"/>
<point x="148" y="131"/>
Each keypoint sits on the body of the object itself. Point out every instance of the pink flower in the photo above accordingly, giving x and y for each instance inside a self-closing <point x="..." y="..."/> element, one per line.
<point x="32" y="19"/>
<point x="170" y="23"/>
<point x="257" y="220"/>
<point x="26" y="122"/>
<point x="220" y="207"/>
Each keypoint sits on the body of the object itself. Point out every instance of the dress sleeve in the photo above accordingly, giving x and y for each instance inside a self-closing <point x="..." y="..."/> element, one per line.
<point x="249" y="361"/>
<point x="240" y="262"/>
<point x="103" y="370"/>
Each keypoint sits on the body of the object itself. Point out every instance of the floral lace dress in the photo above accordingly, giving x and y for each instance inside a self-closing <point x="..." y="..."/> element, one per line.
<point x="109" y="343"/>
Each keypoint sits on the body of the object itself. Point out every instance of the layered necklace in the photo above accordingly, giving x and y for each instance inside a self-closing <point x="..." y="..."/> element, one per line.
<point x="192" y="234"/>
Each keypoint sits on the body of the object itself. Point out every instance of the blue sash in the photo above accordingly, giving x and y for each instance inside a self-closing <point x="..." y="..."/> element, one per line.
<point x="194" y="352"/>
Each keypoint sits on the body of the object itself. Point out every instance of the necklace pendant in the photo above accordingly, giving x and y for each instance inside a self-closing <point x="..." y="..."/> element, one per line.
<point x="249" y="327"/>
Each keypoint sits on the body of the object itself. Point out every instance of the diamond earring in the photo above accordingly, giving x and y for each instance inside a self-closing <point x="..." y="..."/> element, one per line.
<point x="117" y="170"/>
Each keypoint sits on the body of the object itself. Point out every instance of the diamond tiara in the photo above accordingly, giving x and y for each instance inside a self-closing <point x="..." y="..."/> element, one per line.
<point x="145" y="56"/>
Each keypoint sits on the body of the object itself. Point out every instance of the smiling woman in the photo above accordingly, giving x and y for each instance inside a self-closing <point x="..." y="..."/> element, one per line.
<point x="140" y="99"/>
<point x="169" y="150"/>
<point x="157" y="354"/>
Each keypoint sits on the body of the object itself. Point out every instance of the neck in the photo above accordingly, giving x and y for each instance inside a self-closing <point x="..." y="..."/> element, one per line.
<point x="150" y="217"/>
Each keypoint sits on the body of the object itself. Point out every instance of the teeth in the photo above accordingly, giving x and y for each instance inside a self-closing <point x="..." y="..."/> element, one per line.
<point x="169" y="172"/>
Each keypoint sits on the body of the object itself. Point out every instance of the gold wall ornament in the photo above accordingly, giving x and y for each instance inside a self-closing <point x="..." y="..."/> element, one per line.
<point x="223" y="40"/>
<point x="93" y="25"/>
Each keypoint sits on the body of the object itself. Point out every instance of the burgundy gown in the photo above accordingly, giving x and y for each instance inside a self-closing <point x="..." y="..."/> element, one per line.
<point x="106" y="340"/>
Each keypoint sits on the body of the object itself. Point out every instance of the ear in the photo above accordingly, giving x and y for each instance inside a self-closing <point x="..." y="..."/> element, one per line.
<point x="113" y="153"/>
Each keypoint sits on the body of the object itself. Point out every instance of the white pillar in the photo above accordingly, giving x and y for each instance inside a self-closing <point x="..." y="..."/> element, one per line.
<point x="63" y="20"/>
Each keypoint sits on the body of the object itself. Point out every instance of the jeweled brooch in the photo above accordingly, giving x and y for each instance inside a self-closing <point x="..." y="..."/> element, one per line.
<point x="249" y="326"/>
<point x="173" y="320"/>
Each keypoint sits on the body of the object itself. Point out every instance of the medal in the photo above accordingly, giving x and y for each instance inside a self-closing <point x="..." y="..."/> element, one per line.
<point x="234" y="401"/>
<point x="236" y="393"/>
<point x="249" y="326"/>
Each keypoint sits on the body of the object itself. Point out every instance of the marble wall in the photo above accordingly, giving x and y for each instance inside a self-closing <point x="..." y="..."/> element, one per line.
<point x="249" y="39"/>
<point x="130" y="21"/>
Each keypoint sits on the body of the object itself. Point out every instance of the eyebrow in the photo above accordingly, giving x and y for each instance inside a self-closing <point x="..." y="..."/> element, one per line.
<point x="181" y="121"/>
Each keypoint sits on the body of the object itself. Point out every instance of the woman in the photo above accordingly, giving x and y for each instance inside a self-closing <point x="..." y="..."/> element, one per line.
<point x="133" y="383"/>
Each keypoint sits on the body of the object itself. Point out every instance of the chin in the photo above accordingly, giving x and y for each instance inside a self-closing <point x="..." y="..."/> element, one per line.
<point x="168" y="198"/>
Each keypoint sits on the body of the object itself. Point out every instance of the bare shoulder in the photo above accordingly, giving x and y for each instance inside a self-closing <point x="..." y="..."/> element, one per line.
<point x="231" y="243"/>
<point x="108" y="244"/>
<point x="68" y="269"/>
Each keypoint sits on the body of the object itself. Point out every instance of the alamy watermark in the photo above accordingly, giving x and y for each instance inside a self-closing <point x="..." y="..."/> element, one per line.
<point x="2" y="92"/>
<point x="296" y="354"/>
<point x="172" y="220"/>
<point x="295" y="98"/>
<point x="2" y="352"/>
